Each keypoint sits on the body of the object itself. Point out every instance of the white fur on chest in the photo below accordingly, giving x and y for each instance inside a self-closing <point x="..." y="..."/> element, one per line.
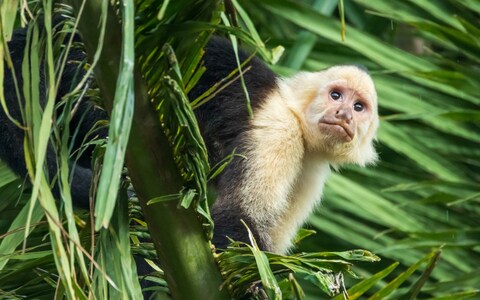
<point x="302" y="199"/>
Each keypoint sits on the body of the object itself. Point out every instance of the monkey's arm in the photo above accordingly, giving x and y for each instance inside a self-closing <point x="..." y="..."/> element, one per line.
<point x="257" y="188"/>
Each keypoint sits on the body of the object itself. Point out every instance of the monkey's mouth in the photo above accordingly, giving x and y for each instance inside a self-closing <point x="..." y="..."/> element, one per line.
<point x="339" y="127"/>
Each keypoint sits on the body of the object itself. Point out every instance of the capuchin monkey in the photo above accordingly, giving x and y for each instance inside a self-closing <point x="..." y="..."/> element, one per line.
<point x="300" y="128"/>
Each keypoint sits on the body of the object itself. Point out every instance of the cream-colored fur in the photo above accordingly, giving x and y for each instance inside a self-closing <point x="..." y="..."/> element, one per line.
<point x="288" y="159"/>
<point x="274" y="161"/>
<point x="301" y="201"/>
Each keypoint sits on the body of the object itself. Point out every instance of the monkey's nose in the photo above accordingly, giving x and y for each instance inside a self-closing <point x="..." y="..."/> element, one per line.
<point x="344" y="114"/>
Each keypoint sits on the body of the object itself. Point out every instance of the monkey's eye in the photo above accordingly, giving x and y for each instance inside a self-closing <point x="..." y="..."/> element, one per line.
<point x="335" y="95"/>
<point x="358" y="106"/>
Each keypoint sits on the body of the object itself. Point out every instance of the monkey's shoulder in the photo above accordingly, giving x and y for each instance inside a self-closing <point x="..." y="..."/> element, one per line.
<point x="225" y="117"/>
<point x="220" y="61"/>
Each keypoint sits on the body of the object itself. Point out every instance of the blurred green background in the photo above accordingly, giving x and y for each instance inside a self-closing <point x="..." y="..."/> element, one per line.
<point x="424" y="193"/>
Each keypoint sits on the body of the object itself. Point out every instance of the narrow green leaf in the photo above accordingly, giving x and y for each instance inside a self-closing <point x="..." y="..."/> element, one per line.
<point x="120" y="124"/>
<point x="394" y="284"/>
<point x="269" y="281"/>
<point x="360" y="288"/>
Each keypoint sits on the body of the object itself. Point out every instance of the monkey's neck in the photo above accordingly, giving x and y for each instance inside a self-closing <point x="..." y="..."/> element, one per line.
<point x="304" y="195"/>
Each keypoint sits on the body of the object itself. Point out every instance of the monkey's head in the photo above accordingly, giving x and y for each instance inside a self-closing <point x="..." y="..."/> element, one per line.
<point x="338" y="111"/>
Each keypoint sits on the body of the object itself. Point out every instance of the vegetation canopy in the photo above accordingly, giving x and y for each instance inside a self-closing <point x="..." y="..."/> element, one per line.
<point x="416" y="210"/>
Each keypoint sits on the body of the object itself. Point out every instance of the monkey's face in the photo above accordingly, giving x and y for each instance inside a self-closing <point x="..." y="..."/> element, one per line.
<point x="341" y="117"/>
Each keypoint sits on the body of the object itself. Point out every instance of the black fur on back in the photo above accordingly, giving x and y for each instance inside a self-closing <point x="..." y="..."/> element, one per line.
<point x="225" y="116"/>
<point x="11" y="136"/>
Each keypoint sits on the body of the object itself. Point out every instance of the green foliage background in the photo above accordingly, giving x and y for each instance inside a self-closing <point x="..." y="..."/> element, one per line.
<point x="418" y="208"/>
<point x="424" y="192"/>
